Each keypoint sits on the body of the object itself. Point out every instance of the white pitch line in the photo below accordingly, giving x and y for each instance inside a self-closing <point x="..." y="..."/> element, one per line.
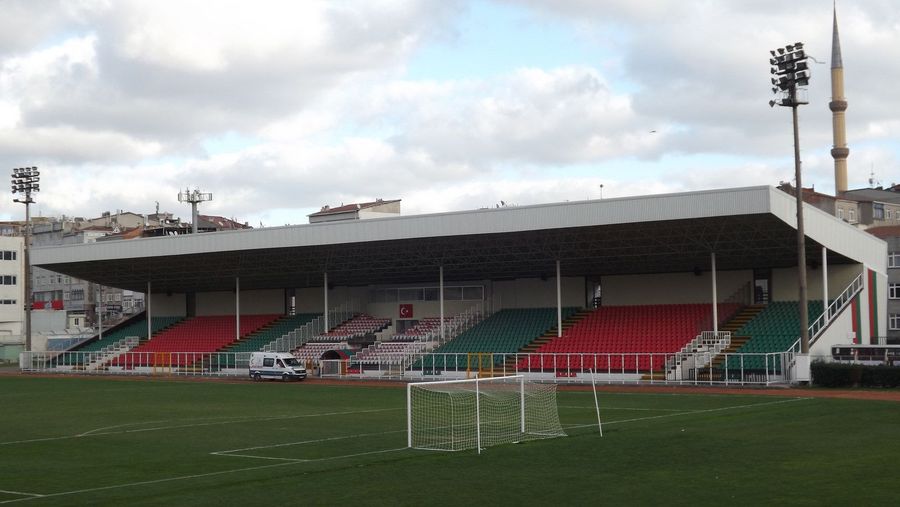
<point x="627" y="408"/>
<point x="178" y="426"/>
<point x="304" y="442"/>
<point x="97" y="430"/>
<point x="20" y="493"/>
<point x="144" y="483"/>
<point x="198" y="476"/>
<point x="294" y="460"/>
<point x="663" y="416"/>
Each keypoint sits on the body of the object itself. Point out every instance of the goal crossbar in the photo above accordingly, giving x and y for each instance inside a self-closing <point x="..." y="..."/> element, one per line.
<point x="454" y="415"/>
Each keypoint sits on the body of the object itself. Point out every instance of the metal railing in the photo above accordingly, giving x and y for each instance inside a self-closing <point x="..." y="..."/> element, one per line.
<point x="835" y="308"/>
<point x="612" y="368"/>
<point x="844" y="299"/>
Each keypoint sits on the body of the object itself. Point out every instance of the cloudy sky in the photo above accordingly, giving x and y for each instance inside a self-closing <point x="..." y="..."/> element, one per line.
<point x="280" y="107"/>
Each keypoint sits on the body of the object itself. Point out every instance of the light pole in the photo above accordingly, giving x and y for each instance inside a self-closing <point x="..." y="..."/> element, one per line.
<point x="194" y="198"/>
<point x="25" y="181"/>
<point x="790" y="71"/>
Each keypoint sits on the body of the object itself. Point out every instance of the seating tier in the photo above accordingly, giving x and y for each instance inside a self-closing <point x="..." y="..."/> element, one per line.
<point x="197" y="335"/>
<point x="623" y="337"/>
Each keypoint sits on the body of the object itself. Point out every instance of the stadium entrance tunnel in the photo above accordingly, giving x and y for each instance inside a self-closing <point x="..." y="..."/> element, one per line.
<point x="338" y="354"/>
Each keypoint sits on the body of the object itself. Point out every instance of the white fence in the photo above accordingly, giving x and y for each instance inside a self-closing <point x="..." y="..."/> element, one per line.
<point x="700" y="368"/>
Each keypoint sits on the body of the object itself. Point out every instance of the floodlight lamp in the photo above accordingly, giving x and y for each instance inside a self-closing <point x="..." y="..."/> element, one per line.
<point x="773" y="61"/>
<point x="789" y="48"/>
<point x="798" y="45"/>
<point x="780" y="51"/>
<point x="772" y="51"/>
<point x="772" y="103"/>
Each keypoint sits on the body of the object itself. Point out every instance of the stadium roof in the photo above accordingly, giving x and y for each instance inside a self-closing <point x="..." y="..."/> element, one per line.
<point x="747" y="228"/>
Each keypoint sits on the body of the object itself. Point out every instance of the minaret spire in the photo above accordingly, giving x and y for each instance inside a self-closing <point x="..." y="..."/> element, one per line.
<point x="838" y="106"/>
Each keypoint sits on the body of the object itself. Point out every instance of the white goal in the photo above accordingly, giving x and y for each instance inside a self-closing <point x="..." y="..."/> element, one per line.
<point x="456" y="415"/>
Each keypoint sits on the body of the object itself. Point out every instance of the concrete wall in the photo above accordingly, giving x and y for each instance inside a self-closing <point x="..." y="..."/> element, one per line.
<point x="253" y="302"/>
<point x="164" y="305"/>
<point x="784" y="282"/>
<point x="839" y="332"/>
<point x="311" y="300"/>
<point x="48" y="321"/>
<point x="659" y="289"/>
<point x="421" y="309"/>
<point x="537" y="293"/>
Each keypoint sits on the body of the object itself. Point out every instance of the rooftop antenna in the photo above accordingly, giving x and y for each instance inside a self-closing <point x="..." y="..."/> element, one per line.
<point x="872" y="181"/>
<point x="194" y="197"/>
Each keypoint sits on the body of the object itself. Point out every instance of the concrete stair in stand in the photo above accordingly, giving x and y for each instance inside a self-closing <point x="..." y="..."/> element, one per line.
<point x="740" y="319"/>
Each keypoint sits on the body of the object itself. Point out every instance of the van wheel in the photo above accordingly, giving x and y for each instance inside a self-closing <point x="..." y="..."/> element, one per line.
<point x="286" y="377"/>
<point x="257" y="377"/>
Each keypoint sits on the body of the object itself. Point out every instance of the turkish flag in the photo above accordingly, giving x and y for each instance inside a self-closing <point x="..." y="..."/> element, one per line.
<point x="406" y="311"/>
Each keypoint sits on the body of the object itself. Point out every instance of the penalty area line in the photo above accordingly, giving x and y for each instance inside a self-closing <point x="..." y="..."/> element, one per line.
<point x="144" y="483"/>
<point x="20" y="493"/>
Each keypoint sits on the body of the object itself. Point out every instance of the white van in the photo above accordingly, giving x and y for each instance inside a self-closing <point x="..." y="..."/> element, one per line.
<point x="275" y="365"/>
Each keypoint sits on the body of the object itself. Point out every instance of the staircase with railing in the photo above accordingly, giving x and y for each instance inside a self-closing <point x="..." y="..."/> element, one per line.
<point x="308" y="331"/>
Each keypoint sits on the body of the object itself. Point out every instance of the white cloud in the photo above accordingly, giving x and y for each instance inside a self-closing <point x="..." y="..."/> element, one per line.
<point x="116" y="101"/>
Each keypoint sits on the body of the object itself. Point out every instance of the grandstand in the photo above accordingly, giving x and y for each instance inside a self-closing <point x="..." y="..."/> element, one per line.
<point x="625" y="277"/>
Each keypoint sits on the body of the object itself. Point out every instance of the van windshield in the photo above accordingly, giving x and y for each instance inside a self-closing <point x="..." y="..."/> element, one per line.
<point x="292" y="362"/>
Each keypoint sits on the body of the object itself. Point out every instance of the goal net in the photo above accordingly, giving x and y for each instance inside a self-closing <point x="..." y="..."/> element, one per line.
<point x="473" y="414"/>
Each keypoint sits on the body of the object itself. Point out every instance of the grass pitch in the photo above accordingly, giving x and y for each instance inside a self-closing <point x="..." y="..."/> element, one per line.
<point x="97" y="441"/>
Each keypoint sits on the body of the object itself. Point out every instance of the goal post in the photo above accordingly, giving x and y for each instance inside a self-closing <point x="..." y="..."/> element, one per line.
<point x="456" y="415"/>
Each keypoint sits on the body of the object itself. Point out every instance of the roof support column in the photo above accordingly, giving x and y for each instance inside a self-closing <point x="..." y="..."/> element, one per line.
<point x="237" y="308"/>
<point x="147" y="299"/>
<point x="558" y="302"/>
<point x="100" y="310"/>
<point x="715" y="296"/>
<point x="441" y="289"/>
<point x="325" y="313"/>
<point x="825" y="284"/>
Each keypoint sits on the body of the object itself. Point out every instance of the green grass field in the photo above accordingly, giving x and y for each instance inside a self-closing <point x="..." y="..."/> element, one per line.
<point x="95" y="441"/>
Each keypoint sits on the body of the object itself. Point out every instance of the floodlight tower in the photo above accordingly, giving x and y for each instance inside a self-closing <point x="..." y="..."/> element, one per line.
<point x="25" y="181"/>
<point x="790" y="72"/>
<point x="194" y="197"/>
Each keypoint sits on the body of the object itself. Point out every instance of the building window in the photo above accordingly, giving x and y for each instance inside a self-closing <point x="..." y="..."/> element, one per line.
<point x="841" y="213"/>
<point x="77" y="295"/>
<point x="894" y="291"/>
<point x="7" y="301"/>
<point x="890" y="214"/>
<point x="8" y="255"/>
<point x="8" y="280"/>
<point x="894" y="322"/>
<point x="894" y="259"/>
<point x="852" y="216"/>
<point x="878" y="211"/>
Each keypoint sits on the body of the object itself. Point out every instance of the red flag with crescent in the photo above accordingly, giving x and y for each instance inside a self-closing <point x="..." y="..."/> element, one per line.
<point x="406" y="311"/>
